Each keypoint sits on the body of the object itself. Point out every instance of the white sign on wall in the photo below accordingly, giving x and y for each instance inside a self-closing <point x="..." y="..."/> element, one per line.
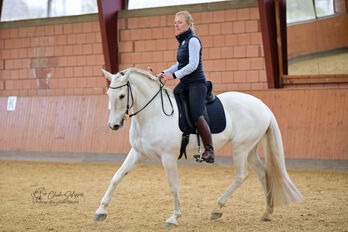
<point x="11" y="103"/>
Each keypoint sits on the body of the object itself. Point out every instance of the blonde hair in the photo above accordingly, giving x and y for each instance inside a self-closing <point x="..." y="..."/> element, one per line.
<point x="188" y="17"/>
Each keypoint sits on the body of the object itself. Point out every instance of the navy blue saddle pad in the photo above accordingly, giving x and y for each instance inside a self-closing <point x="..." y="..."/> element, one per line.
<point x="216" y="114"/>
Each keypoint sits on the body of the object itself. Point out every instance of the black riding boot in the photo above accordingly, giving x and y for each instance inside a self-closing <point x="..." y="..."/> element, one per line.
<point x="204" y="131"/>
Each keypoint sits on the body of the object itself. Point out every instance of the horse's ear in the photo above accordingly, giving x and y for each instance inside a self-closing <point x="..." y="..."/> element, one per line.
<point x="107" y="74"/>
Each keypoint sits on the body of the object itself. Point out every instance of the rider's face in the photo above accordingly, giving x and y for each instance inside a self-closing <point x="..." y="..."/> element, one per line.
<point x="180" y="24"/>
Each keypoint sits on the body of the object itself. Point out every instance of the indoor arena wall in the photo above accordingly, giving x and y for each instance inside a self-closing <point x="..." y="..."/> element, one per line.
<point x="54" y="65"/>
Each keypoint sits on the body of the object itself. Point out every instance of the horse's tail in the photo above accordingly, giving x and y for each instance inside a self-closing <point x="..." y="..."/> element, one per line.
<point x="280" y="189"/>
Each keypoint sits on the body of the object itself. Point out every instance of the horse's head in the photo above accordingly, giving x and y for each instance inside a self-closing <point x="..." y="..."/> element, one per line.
<point x="118" y="98"/>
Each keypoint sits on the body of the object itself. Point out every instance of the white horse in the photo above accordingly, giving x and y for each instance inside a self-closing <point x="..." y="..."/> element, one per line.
<point x="155" y="135"/>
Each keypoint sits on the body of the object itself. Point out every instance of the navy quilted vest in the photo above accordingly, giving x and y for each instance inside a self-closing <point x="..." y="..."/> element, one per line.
<point x="183" y="58"/>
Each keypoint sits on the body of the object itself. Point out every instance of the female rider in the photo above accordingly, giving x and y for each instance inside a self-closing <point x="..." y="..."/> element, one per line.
<point x="189" y="70"/>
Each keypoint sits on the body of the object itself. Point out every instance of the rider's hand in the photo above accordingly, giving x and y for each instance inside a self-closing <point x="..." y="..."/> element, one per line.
<point x="168" y="76"/>
<point x="159" y="75"/>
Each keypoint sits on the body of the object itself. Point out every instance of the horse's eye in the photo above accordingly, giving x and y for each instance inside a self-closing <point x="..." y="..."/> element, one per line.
<point x="121" y="96"/>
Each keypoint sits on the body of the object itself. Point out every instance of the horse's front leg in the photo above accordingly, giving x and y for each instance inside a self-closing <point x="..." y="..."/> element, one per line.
<point x="130" y="162"/>
<point x="171" y="168"/>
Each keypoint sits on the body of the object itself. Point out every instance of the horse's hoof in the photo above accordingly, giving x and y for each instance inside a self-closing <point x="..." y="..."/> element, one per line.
<point x="168" y="224"/>
<point x="100" y="217"/>
<point x="215" y="216"/>
<point x="263" y="219"/>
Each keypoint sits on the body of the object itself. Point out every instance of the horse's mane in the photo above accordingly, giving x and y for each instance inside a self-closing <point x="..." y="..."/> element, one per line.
<point x="144" y="73"/>
<point x="140" y="71"/>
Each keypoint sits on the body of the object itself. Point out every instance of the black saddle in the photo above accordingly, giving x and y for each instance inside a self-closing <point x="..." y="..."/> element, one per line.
<point x="210" y="98"/>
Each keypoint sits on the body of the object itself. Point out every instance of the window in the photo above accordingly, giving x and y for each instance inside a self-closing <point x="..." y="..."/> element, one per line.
<point x="27" y="9"/>
<point x="76" y="7"/>
<point x="302" y="10"/>
<point x="299" y="10"/>
<point x="324" y="7"/>
<point x="138" y="4"/>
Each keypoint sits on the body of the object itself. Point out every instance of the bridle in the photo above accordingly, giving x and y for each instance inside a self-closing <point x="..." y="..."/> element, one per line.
<point x="130" y="93"/>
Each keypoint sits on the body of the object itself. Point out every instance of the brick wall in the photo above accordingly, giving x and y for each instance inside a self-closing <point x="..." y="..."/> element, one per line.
<point x="59" y="56"/>
<point x="64" y="58"/>
<point x="232" y="46"/>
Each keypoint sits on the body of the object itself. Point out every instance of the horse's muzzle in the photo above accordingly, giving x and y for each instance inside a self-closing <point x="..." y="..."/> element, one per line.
<point x="114" y="127"/>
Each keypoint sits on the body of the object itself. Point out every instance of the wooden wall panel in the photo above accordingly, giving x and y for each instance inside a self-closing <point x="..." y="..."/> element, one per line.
<point x="313" y="122"/>
<point x="318" y="36"/>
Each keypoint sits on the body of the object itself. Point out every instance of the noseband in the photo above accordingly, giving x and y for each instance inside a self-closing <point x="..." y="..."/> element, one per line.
<point x="130" y="93"/>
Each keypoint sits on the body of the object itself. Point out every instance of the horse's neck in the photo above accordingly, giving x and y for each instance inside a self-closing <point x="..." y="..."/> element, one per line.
<point x="152" y="118"/>
<point x="144" y="90"/>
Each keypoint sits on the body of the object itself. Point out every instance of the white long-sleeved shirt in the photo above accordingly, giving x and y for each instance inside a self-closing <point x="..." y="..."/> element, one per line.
<point x="194" y="48"/>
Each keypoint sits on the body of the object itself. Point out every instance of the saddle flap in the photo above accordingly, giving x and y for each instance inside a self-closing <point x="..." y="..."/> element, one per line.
<point x="186" y="111"/>
<point x="210" y="98"/>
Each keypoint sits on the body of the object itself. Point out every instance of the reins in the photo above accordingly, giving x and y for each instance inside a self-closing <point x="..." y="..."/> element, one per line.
<point x="129" y="92"/>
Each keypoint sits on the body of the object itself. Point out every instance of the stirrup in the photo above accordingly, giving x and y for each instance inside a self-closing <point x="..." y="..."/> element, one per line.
<point x="199" y="157"/>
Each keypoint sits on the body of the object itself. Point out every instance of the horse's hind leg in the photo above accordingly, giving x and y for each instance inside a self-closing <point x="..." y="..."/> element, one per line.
<point x="130" y="162"/>
<point x="260" y="169"/>
<point x="240" y="164"/>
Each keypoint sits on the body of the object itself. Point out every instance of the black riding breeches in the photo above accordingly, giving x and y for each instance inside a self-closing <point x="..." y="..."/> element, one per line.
<point x="196" y="93"/>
